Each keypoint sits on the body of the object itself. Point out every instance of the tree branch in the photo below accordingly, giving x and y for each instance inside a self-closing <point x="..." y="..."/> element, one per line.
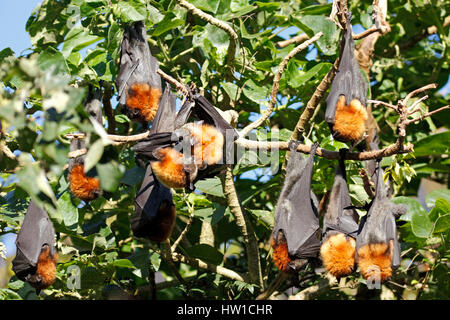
<point x="315" y="290"/>
<point x="218" y="23"/>
<point x="276" y="83"/>
<point x="244" y="225"/>
<point x="106" y="98"/>
<point x="197" y="263"/>
<point x="180" y="87"/>
<point x="185" y="231"/>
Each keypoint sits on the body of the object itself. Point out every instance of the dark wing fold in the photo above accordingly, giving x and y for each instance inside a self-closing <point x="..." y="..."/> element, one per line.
<point x="337" y="218"/>
<point x="348" y="80"/>
<point x="379" y="224"/>
<point x="137" y="65"/>
<point x="295" y="215"/>
<point x="147" y="203"/>
<point x="36" y="231"/>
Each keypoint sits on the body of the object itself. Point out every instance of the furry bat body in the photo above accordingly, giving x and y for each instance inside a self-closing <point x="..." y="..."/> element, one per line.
<point x="36" y="256"/>
<point x="377" y="247"/>
<point x="340" y="226"/>
<point x="296" y="234"/>
<point x="346" y="113"/>
<point x="138" y="84"/>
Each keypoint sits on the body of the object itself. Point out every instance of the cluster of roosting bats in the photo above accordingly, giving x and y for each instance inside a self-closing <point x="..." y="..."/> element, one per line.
<point x="185" y="146"/>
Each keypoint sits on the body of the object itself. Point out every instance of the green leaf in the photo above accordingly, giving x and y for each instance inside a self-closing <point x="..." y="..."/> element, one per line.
<point x="414" y="207"/>
<point x="266" y="217"/>
<point x="442" y="223"/>
<point x="124" y="263"/>
<point x="212" y="186"/>
<point x="232" y="90"/>
<point x="300" y="77"/>
<point x="255" y="92"/>
<point x="155" y="260"/>
<point x="77" y="39"/>
<point x="169" y="22"/>
<point x="94" y="155"/>
<point x="435" y="144"/>
<point x="421" y="225"/>
<point x="312" y="25"/>
<point x="436" y="194"/>
<point x="68" y="211"/>
<point x="206" y="5"/>
<point x="110" y="175"/>
<point x="206" y="253"/>
<point x="126" y="12"/>
<point x="52" y="60"/>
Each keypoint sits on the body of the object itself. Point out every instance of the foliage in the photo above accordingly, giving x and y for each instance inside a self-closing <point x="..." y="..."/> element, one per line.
<point x="76" y="43"/>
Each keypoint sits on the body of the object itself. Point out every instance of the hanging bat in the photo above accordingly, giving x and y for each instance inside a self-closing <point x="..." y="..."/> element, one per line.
<point x="340" y="226"/>
<point x="137" y="83"/>
<point x="164" y="149"/>
<point x="85" y="186"/>
<point x="296" y="235"/>
<point x="377" y="247"/>
<point x="155" y="213"/>
<point x="211" y="139"/>
<point x="199" y="145"/>
<point x="36" y="255"/>
<point x="346" y="112"/>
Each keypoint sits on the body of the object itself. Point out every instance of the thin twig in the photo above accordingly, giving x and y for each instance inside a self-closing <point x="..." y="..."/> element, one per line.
<point x="388" y="105"/>
<point x="274" y="285"/>
<point x="428" y="114"/>
<point x="177" y="84"/>
<point x="6" y="151"/>
<point x="197" y="263"/>
<point x="185" y="231"/>
<point x="167" y="254"/>
<point x="412" y="108"/>
<point x="422" y="89"/>
<point x="276" y="84"/>
<point x="365" y="33"/>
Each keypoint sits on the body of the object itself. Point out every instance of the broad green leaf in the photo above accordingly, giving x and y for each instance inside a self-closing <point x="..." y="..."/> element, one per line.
<point x="312" y="25"/>
<point x="155" y="260"/>
<point x="414" y="207"/>
<point x="435" y="144"/>
<point x="77" y="39"/>
<point x="68" y="211"/>
<point x="255" y="92"/>
<point x="110" y="175"/>
<point x="52" y="60"/>
<point x="205" y="253"/>
<point x="206" y="5"/>
<point x="436" y="194"/>
<point x="124" y="263"/>
<point x="169" y="22"/>
<point x="94" y="155"/>
<point x="421" y="225"/>
<point x="212" y="186"/>
<point x="442" y="223"/>
<point x="127" y="12"/>
<point x="232" y="90"/>
<point x="266" y="217"/>
<point x="301" y="77"/>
